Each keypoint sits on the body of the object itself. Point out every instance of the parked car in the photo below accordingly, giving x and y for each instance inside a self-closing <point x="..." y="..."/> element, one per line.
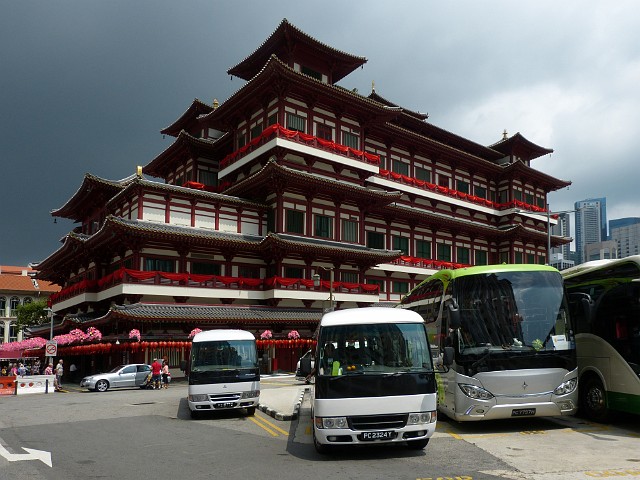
<point x="131" y="375"/>
<point x="305" y="364"/>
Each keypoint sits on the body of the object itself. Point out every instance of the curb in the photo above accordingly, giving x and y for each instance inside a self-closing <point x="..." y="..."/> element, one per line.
<point x="284" y="416"/>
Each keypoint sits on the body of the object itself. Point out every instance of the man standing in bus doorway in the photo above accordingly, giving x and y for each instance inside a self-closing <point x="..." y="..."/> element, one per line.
<point x="156" y="369"/>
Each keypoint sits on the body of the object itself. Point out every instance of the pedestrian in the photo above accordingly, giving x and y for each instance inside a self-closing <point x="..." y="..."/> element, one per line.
<point x="156" y="368"/>
<point x="22" y="370"/>
<point x="59" y="371"/>
<point x="165" y="375"/>
<point x="4" y="371"/>
<point x="73" y="370"/>
<point x="48" y="369"/>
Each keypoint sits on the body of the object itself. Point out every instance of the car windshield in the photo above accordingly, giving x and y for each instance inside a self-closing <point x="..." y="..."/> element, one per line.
<point x="512" y="310"/>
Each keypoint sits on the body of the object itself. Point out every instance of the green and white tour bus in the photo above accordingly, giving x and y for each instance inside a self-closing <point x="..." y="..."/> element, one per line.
<point x="506" y="333"/>
<point x="608" y="339"/>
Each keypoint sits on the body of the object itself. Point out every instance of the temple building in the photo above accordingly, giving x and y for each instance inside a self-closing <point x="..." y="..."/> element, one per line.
<point x="292" y="196"/>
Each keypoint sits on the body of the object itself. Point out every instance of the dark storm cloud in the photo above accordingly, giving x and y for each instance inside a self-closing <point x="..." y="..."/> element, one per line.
<point x="85" y="86"/>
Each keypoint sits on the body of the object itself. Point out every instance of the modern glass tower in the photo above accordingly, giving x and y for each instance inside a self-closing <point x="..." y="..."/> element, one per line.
<point x="591" y="224"/>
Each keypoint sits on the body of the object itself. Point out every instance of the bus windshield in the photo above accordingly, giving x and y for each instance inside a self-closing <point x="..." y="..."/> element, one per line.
<point x="512" y="310"/>
<point x="223" y="355"/>
<point x="366" y="349"/>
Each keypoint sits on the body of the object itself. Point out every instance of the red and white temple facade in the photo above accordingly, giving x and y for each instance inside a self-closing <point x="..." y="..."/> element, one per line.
<point x="292" y="176"/>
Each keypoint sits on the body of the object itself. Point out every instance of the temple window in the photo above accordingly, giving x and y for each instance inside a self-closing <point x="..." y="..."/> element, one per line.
<point x="294" y="222"/>
<point x="518" y="257"/>
<point x="531" y="258"/>
<point x="481" y="257"/>
<point x="350" y="231"/>
<point x="462" y="186"/>
<point x="311" y="72"/>
<point x="349" y="277"/>
<point x="241" y="139"/>
<point x="350" y="140"/>
<point x="463" y="255"/>
<point x="423" y="249"/>
<point x="399" y="287"/>
<point x="272" y="119"/>
<point x="323" y="224"/>
<point x="375" y="281"/>
<point x="296" y="122"/>
<point x="256" y="131"/>
<point x="248" y="272"/>
<point x="517" y="195"/>
<point x="205" y="268"/>
<point x="293" y="272"/>
<point x="443" y="252"/>
<point x="443" y="180"/>
<point x="401" y="243"/>
<point x="528" y="198"/>
<point x="423" y="174"/>
<point x="207" y="177"/>
<point x="375" y="240"/>
<point x="13" y="305"/>
<point x="159" y="265"/>
<point x="400" y="167"/>
<point x="324" y="131"/>
<point x="3" y="306"/>
<point x="480" y="191"/>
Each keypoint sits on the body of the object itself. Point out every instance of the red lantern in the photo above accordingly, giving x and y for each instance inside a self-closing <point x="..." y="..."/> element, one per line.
<point x="144" y="345"/>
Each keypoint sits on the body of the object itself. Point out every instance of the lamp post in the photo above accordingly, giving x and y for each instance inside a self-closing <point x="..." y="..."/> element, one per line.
<point x="316" y="283"/>
<point x="50" y="315"/>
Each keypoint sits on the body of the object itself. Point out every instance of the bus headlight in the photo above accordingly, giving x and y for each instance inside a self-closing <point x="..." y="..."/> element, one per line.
<point x="331" y="422"/>
<point x="475" y="392"/>
<point x="566" y="387"/>
<point x="198" y="398"/>
<point x="251" y="394"/>
<point x="417" y="418"/>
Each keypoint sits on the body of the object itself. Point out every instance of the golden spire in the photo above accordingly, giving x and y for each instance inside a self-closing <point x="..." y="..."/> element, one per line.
<point x="373" y="86"/>
<point x="216" y="104"/>
<point x="139" y="171"/>
<point x="504" y="134"/>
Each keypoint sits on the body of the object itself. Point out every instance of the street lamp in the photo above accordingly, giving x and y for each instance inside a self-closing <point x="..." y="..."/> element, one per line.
<point x="316" y="283"/>
<point x="50" y="315"/>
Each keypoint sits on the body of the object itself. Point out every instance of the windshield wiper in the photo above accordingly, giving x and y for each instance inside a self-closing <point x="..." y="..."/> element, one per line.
<point x="484" y="356"/>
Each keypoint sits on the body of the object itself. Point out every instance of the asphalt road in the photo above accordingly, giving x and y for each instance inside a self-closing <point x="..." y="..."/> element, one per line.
<point x="142" y="434"/>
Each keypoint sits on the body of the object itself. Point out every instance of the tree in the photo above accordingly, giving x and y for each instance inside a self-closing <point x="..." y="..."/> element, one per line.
<point x="30" y="314"/>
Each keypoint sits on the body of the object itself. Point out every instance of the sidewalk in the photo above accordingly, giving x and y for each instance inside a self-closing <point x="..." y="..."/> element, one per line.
<point x="282" y="403"/>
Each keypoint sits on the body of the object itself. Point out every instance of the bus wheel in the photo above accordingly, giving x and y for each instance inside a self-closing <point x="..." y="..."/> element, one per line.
<point x="593" y="400"/>
<point x="418" y="444"/>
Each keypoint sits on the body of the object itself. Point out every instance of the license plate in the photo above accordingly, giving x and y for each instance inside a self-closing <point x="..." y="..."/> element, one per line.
<point x="225" y="405"/>
<point x="523" y="412"/>
<point x="386" y="435"/>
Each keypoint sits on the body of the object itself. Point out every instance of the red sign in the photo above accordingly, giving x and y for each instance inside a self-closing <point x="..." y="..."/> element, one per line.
<point x="51" y="349"/>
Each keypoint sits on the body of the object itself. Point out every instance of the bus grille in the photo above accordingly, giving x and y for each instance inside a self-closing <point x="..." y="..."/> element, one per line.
<point x="378" y="422"/>
<point x="228" y="397"/>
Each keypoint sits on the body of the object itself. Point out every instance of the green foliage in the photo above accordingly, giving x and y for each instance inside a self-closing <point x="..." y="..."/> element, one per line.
<point x="30" y="314"/>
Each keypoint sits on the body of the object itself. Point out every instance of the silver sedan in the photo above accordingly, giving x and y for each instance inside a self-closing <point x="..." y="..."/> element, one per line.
<point x="132" y="375"/>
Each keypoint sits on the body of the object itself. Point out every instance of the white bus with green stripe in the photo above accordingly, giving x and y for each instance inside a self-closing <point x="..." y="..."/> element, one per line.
<point x="507" y="334"/>
<point x="608" y="339"/>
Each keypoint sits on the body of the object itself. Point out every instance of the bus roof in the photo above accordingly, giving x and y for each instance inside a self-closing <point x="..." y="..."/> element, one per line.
<point x="368" y="315"/>
<point x="450" y="274"/>
<point x="222" y="334"/>
<point x="596" y="265"/>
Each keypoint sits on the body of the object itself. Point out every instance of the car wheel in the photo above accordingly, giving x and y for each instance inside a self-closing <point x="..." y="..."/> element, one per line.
<point x="251" y="411"/>
<point x="593" y="400"/>
<point x="195" y="415"/>
<point x="102" y="386"/>
<point x="418" y="444"/>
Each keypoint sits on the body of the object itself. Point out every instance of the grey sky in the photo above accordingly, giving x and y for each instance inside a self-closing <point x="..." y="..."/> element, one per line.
<point x="86" y="86"/>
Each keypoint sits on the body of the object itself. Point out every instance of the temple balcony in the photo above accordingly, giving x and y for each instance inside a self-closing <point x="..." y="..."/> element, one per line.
<point x="207" y="289"/>
<point x="292" y="140"/>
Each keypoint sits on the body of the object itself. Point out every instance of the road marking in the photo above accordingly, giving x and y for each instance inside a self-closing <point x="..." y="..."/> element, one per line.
<point x="44" y="457"/>
<point x="268" y="426"/>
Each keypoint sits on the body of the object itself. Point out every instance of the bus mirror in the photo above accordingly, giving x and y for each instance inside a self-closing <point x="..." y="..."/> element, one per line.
<point x="183" y="365"/>
<point x="587" y="309"/>
<point x="454" y="315"/>
<point x="447" y="356"/>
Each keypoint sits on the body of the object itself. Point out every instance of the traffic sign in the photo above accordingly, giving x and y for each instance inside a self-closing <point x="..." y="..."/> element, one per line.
<point x="51" y="348"/>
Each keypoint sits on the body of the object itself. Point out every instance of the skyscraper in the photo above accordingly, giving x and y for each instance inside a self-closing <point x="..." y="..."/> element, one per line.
<point x="591" y="224"/>
<point x="626" y="233"/>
